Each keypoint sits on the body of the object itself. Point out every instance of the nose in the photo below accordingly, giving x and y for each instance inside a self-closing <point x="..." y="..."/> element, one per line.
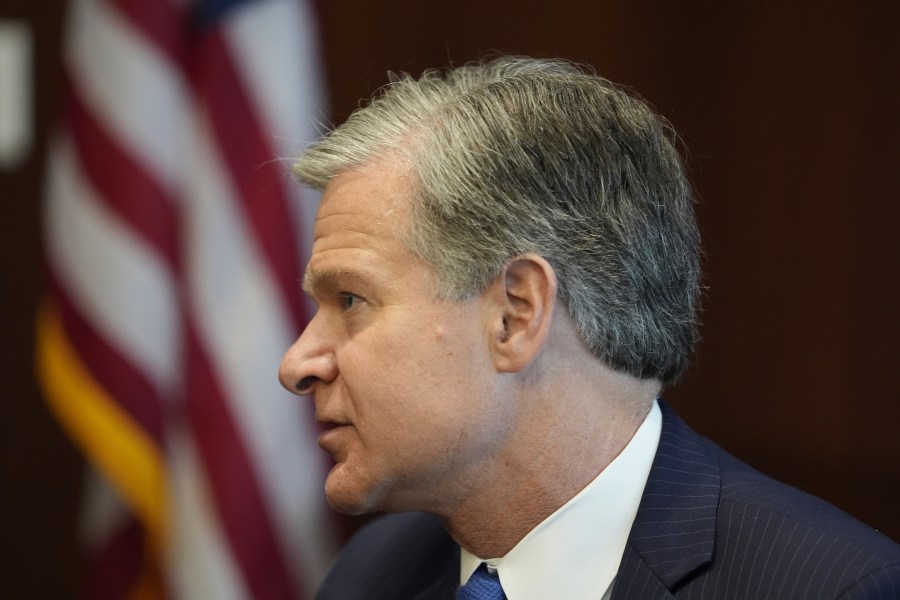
<point x="309" y="362"/>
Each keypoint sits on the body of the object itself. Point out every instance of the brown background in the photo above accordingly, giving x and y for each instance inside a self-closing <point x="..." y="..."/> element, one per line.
<point x="790" y="114"/>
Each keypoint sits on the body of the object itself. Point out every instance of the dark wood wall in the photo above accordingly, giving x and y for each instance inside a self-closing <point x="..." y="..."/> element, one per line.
<point x="790" y="114"/>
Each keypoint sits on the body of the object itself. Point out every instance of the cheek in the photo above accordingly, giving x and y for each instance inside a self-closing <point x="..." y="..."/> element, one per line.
<point x="384" y="385"/>
<point x="413" y="379"/>
<point x="400" y="413"/>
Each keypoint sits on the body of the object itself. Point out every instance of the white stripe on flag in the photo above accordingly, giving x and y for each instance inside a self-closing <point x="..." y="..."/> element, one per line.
<point x="291" y="114"/>
<point x="244" y="328"/>
<point x="198" y="559"/>
<point x="128" y="84"/>
<point x="102" y="511"/>
<point x="121" y="285"/>
<point x="287" y="92"/>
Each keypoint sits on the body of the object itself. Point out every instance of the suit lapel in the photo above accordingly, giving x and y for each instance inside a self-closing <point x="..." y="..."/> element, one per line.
<point x="674" y="531"/>
<point x="636" y="581"/>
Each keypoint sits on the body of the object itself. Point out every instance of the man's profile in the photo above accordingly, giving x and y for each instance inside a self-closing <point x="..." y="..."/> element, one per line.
<point x="506" y="272"/>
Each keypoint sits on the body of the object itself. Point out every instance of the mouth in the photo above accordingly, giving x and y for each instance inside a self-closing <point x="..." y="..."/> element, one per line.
<point x="328" y="424"/>
<point x="330" y="433"/>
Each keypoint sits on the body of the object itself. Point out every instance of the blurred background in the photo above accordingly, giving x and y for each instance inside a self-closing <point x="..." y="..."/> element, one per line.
<point x="789" y="113"/>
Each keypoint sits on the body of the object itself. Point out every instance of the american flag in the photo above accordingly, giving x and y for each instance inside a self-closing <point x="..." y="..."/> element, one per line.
<point x="173" y="244"/>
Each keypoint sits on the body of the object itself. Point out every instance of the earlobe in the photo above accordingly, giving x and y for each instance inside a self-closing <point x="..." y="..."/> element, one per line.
<point x="523" y="299"/>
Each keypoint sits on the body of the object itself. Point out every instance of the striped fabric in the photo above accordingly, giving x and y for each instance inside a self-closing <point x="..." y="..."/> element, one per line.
<point x="172" y="253"/>
<point x="710" y="527"/>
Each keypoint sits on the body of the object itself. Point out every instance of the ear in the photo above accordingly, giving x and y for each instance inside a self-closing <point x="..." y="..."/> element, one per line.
<point x="520" y="307"/>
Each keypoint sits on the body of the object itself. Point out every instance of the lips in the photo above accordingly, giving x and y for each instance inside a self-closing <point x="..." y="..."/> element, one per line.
<point x="330" y="434"/>
<point x="326" y="423"/>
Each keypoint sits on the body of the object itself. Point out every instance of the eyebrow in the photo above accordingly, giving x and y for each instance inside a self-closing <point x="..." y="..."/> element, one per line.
<point x="327" y="278"/>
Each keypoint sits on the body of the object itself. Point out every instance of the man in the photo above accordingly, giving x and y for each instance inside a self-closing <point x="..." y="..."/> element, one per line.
<point x="505" y="264"/>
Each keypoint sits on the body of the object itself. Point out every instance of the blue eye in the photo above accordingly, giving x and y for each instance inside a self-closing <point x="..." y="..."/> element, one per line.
<point x="348" y="300"/>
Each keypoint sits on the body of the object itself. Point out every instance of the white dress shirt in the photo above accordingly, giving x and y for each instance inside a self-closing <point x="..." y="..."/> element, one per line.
<point x="575" y="552"/>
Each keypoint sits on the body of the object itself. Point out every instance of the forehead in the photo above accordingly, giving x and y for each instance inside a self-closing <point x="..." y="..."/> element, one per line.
<point x="377" y="195"/>
<point x="361" y="221"/>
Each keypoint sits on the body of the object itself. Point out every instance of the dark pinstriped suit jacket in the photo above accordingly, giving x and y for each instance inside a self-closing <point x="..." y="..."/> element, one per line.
<point x="708" y="527"/>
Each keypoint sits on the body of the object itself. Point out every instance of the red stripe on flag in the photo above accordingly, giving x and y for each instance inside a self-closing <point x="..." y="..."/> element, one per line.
<point x="160" y="21"/>
<point x="243" y="512"/>
<point x="119" y="378"/>
<point x="114" y="571"/>
<point x="122" y="182"/>
<point x="124" y="567"/>
<point x="250" y="160"/>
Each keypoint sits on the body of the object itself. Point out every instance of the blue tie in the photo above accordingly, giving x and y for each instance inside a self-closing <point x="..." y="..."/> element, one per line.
<point x="482" y="586"/>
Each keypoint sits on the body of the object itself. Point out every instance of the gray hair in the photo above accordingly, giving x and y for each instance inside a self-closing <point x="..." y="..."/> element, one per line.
<point x="519" y="155"/>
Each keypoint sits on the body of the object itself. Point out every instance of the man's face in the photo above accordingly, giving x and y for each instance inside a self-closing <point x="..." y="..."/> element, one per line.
<point x="404" y="383"/>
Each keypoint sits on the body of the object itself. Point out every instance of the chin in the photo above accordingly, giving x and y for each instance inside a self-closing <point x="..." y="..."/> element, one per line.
<point x="346" y="508"/>
<point x="348" y="504"/>
<point x="350" y="497"/>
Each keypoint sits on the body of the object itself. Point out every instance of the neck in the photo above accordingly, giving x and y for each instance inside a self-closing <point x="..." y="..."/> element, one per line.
<point x="560" y="448"/>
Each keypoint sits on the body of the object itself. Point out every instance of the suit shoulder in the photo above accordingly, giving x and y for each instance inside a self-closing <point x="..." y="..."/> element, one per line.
<point x="732" y="532"/>
<point x="790" y="544"/>
<point x="744" y="488"/>
<point x="394" y="556"/>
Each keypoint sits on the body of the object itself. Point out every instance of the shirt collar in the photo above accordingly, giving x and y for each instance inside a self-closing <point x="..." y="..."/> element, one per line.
<point x="575" y="552"/>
